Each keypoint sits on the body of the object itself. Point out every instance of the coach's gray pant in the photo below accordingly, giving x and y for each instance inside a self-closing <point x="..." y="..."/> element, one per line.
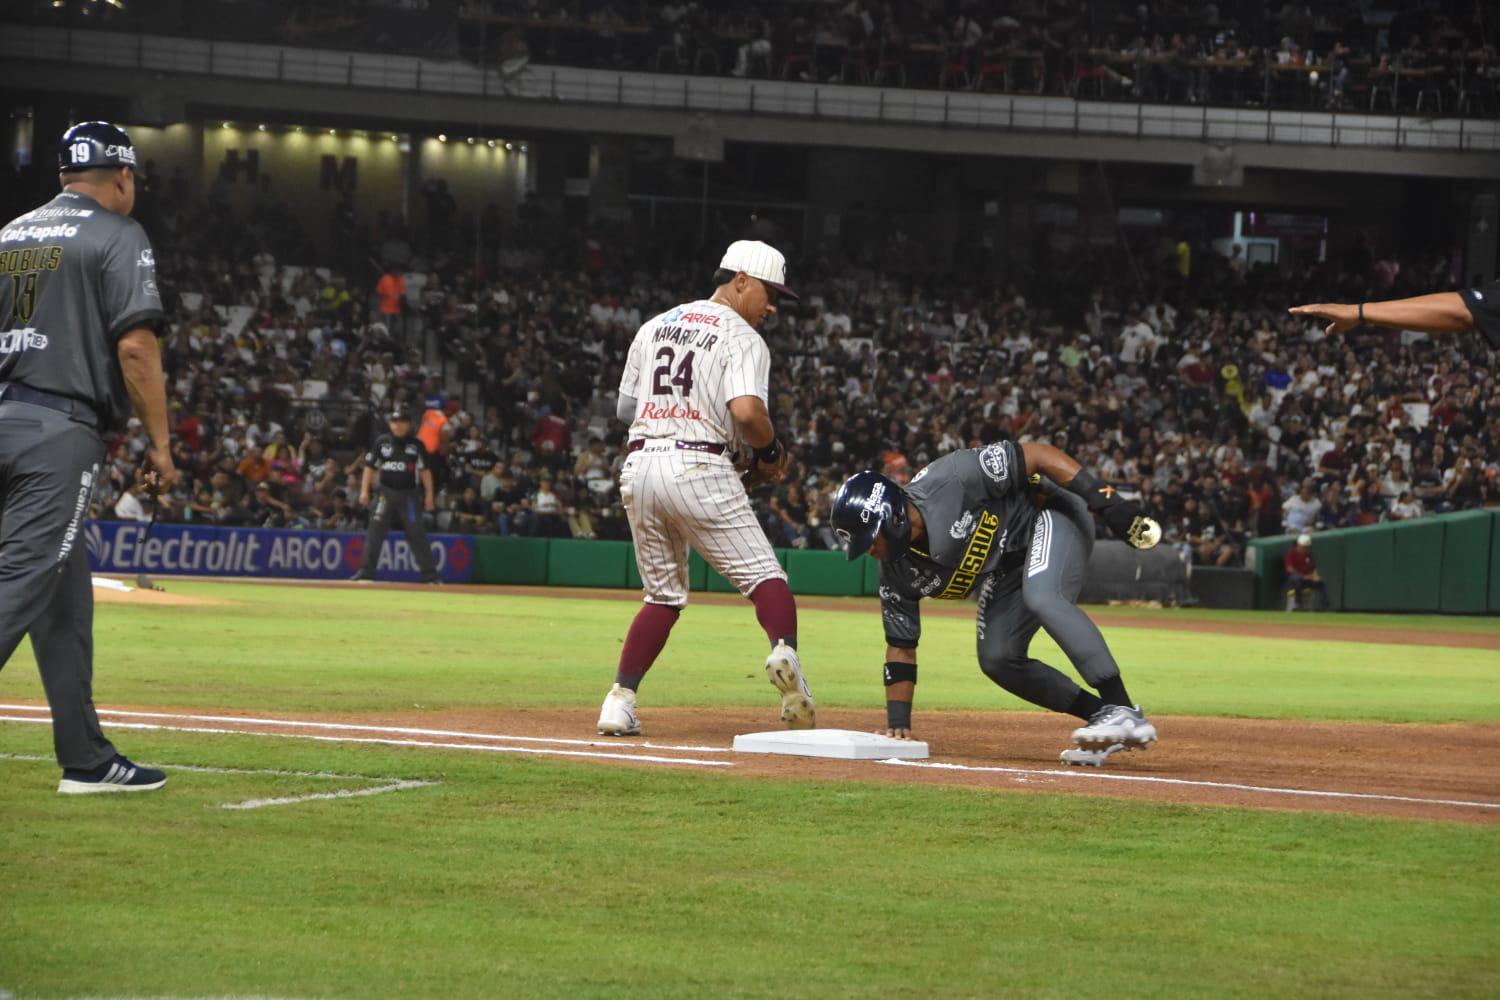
<point x="1042" y="593"/>
<point x="398" y="508"/>
<point x="48" y="464"/>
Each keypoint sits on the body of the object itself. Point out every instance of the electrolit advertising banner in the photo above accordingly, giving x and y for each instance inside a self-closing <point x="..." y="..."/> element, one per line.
<point x="201" y="550"/>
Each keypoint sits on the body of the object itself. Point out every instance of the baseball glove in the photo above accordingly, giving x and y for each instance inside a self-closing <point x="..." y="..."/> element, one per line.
<point x="764" y="467"/>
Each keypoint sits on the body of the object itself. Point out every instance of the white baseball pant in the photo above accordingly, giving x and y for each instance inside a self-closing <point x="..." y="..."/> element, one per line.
<point x="675" y="498"/>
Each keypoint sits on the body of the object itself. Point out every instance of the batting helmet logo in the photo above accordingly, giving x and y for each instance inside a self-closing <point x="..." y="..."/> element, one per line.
<point x="866" y="506"/>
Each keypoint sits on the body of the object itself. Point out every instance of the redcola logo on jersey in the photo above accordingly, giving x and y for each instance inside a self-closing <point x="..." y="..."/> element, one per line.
<point x="677" y="411"/>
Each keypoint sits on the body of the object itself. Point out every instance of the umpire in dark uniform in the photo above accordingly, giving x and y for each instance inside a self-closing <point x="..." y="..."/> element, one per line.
<point x="79" y="314"/>
<point x="394" y="467"/>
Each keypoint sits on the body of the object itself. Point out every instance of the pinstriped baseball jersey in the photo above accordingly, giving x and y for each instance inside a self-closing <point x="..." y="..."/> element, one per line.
<point x="684" y="367"/>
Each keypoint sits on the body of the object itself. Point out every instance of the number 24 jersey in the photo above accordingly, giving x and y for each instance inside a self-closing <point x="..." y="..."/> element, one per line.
<point x="684" y="367"/>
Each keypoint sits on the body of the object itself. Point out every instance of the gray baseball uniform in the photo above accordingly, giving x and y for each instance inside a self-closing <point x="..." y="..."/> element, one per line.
<point x="74" y="278"/>
<point x="1025" y="543"/>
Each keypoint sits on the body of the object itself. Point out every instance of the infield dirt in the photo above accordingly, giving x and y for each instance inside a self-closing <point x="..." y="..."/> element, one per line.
<point x="1427" y="762"/>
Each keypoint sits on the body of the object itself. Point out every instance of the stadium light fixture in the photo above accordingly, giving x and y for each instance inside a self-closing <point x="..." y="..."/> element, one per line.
<point x="508" y="147"/>
<point x="333" y="131"/>
<point x="471" y="140"/>
<point x="442" y="137"/>
<point x="224" y="125"/>
<point x="260" y="128"/>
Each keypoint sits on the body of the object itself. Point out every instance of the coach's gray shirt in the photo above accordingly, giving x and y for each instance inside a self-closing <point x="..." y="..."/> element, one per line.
<point x="74" y="278"/>
<point x="979" y="505"/>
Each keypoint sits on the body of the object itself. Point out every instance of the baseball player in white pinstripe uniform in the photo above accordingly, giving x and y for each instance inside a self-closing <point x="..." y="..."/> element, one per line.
<point x="695" y="390"/>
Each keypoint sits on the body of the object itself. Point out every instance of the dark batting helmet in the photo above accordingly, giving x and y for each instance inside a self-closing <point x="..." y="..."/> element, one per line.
<point x="867" y="505"/>
<point x="95" y="144"/>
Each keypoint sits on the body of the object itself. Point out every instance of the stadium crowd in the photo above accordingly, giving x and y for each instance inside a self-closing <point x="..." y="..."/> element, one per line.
<point x="1435" y="56"/>
<point x="1186" y="383"/>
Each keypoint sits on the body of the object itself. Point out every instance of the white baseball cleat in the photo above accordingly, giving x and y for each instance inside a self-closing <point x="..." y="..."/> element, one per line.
<point x="617" y="715"/>
<point x="798" y="710"/>
<point x="1090" y="758"/>
<point x="1125" y="724"/>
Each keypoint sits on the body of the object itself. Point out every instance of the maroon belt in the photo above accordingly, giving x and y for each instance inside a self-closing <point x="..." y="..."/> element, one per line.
<point x="708" y="446"/>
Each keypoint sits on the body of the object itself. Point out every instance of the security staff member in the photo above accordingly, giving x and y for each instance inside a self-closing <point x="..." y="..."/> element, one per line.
<point x="398" y="461"/>
<point x="79" y="312"/>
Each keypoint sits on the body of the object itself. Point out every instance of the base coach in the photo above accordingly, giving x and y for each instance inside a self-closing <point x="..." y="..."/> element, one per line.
<point x="79" y="314"/>
<point x="395" y="466"/>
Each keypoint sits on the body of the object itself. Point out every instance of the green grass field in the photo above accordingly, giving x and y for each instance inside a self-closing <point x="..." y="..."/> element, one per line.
<point x="511" y="876"/>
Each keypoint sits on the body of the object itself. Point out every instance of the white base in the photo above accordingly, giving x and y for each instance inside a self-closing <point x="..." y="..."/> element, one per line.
<point x="843" y="744"/>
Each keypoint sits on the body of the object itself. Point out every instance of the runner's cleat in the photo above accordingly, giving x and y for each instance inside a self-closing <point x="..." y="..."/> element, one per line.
<point x="1125" y="724"/>
<point x="1080" y="757"/>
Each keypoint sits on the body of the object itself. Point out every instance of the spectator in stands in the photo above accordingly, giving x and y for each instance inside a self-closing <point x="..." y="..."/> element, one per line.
<point x="1302" y="576"/>
<point x="547" y="517"/>
<point x="1300" y="511"/>
<point x="390" y="290"/>
<point x="129" y="507"/>
<point x="1406" y="507"/>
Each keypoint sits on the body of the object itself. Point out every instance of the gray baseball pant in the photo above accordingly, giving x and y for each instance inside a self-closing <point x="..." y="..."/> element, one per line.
<point x="1042" y="593"/>
<point x="403" y="508"/>
<point x="48" y="464"/>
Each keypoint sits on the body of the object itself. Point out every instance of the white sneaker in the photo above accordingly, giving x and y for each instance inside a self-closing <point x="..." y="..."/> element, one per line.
<point x="1089" y="758"/>
<point x="617" y="715"/>
<point x="798" y="711"/>
<point x="1125" y="724"/>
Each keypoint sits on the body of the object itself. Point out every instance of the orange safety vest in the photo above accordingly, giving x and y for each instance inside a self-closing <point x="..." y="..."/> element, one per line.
<point x="431" y="432"/>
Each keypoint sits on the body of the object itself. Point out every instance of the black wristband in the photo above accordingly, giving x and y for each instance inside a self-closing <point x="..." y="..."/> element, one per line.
<point x="897" y="671"/>
<point x="898" y="715"/>
<point x="770" y="454"/>
<point x="1095" y="493"/>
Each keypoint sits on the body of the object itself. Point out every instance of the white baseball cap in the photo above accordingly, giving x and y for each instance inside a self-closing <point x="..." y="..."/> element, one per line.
<point x="759" y="260"/>
<point x="1304" y="539"/>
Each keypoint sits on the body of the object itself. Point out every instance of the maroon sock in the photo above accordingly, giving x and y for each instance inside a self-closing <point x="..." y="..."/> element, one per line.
<point x="644" y="642"/>
<point x="776" y="612"/>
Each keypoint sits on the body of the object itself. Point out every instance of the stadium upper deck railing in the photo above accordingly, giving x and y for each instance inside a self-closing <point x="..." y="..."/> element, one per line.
<point x="664" y="92"/>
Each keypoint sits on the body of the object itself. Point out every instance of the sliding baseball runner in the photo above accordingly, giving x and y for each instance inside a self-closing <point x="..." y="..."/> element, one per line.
<point x="695" y="391"/>
<point x="992" y="521"/>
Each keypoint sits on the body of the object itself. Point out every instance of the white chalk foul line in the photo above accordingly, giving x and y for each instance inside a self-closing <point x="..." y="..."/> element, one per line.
<point x="277" y="772"/>
<point x="1189" y="782"/>
<point x="400" y="730"/>
<point x="386" y="741"/>
<point x="346" y="793"/>
<point x="386" y="784"/>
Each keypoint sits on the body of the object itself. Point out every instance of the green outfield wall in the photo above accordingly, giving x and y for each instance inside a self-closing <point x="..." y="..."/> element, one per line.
<point x="1449" y="564"/>
<point x="569" y="562"/>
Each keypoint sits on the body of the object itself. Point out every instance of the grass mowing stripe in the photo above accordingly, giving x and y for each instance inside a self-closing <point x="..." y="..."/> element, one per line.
<point x="1150" y="779"/>
<point x="439" y="651"/>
